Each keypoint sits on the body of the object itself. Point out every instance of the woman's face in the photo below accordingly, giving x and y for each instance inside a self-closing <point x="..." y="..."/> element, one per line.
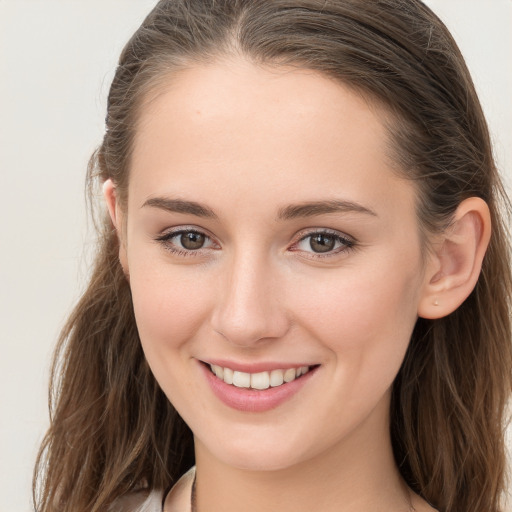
<point x="266" y="232"/>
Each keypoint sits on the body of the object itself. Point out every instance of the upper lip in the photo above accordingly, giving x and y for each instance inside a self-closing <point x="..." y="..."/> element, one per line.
<point x="255" y="367"/>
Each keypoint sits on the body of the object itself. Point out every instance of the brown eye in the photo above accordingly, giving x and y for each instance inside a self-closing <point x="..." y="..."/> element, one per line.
<point x="187" y="242"/>
<point x="322" y="242"/>
<point x="192" y="240"/>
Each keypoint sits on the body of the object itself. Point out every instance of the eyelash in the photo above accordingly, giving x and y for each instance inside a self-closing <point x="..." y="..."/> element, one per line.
<point x="166" y="240"/>
<point x="346" y="243"/>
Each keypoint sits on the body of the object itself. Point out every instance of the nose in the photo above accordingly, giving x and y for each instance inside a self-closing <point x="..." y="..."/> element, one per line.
<point x="250" y="308"/>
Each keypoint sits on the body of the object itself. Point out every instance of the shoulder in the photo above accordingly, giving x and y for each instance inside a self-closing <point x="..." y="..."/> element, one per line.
<point x="179" y="498"/>
<point x="139" y="502"/>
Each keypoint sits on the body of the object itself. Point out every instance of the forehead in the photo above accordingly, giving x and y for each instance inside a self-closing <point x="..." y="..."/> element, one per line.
<point x="280" y="129"/>
<point x="237" y="91"/>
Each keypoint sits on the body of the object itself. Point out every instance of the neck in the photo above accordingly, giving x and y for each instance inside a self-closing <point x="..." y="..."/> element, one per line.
<point x="358" y="474"/>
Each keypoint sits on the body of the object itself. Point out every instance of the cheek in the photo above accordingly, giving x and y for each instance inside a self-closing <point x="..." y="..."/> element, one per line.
<point x="364" y="317"/>
<point x="366" y="326"/>
<point x="170" y="304"/>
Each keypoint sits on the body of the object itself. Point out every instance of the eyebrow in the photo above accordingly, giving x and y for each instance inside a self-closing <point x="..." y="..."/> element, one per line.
<point x="311" y="209"/>
<point x="293" y="211"/>
<point x="180" y="206"/>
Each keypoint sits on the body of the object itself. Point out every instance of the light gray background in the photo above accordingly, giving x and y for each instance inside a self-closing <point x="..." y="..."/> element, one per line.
<point x="56" y="62"/>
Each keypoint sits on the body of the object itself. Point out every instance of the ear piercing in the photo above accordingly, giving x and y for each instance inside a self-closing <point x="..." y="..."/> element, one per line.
<point x="436" y="302"/>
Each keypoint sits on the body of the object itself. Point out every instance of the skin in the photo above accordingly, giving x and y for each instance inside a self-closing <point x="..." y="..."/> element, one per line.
<point x="247" y="142"/>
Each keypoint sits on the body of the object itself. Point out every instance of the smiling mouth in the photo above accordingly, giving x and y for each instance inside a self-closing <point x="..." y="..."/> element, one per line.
<point x="260" y="380"/>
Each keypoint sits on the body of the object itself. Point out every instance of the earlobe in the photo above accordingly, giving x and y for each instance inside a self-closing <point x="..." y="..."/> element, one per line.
<point x="457" y="260"/>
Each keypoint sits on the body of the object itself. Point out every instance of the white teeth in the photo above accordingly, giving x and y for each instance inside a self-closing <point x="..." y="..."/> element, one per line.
<point x="241" y="379"/>
<point x="228" y="375"/>
<point x="276" y="378"/>
<point x="260" y="380"/>
<point x="289" y="375"/>
<point x="218" y="370"/>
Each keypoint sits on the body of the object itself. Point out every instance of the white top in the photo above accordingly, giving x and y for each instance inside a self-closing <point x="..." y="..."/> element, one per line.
<point x="178" y="499"/>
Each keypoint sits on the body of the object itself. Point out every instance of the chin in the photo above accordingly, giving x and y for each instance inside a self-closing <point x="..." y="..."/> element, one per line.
<point x="257" y="456"/>
<point x="257" y="462"/>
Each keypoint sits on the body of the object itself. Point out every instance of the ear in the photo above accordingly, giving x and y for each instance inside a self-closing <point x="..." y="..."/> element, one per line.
<point x="453" y="269"/>
<point x="116" y="216"/>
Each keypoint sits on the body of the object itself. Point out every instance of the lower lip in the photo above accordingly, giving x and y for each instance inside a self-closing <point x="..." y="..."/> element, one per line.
<point x="254" y="400"/>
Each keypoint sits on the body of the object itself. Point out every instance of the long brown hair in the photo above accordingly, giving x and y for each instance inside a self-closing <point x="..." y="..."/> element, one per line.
<point x="113" y="430"/>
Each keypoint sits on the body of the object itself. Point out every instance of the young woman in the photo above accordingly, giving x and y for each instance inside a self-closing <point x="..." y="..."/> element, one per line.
<point x="302" y="287"/>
